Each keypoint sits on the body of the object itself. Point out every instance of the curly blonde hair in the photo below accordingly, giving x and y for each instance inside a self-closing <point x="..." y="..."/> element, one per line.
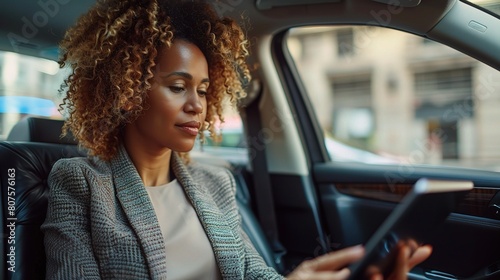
<point x="112" y="51"/>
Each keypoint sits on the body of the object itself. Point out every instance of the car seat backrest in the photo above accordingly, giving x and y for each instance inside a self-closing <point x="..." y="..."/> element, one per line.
<point x="25" y="163"/>
<point x="24" y="170"/>
<point x="32" y="129"/>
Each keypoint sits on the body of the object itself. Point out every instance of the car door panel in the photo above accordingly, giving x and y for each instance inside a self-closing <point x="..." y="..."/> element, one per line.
<point x="356" y="198"/>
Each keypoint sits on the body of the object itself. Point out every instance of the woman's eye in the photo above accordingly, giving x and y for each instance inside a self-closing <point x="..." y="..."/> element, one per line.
<point x="202" y="92"/>
<point x="176" y="89"/>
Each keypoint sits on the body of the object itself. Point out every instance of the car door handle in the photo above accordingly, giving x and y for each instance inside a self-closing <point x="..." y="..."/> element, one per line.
<point x="439" y="275"/>
<point x="494" y="206"/>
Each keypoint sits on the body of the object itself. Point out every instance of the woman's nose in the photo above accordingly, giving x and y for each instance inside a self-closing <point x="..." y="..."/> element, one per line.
<point x="193" y="103"/>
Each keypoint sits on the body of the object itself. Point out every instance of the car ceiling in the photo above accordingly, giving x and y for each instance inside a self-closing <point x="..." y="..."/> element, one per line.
<point x="47" y="28"/>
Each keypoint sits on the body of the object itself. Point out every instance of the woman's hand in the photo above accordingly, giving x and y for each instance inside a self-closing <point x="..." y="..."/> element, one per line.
<point x="328" y="266"/>
<point x="408" y="255"/>
<point x="332" y="266"/>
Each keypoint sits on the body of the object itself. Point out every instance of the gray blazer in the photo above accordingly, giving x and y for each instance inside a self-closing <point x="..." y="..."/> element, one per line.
<point x="101" y="224"/>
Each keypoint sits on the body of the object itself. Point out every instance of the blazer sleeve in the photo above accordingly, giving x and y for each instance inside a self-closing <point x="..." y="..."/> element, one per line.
<point x="255" y="267"/>
<point x="67" y="232"/>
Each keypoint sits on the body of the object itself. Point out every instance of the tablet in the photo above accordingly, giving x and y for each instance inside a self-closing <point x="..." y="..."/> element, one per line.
<point x="416" y="217"/>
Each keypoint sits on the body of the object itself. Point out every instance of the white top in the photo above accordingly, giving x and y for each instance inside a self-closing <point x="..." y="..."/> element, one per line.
<point x="189" y="253"/>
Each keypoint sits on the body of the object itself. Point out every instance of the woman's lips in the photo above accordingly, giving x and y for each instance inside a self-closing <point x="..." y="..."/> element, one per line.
<point x="192" y="128"/>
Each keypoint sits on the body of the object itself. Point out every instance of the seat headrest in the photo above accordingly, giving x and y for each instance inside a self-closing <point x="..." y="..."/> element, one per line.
<point x="34" y="129"/>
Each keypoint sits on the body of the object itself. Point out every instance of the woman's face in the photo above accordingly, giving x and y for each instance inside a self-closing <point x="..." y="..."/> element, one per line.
<point x="176" y="106"/>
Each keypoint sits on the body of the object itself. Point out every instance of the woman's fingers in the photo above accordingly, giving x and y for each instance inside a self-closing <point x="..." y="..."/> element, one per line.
<point x="330" y="266"/>
<point x="420" y="255"/>
<point x="409" y="254"/>
<point x="320" y="275"/>
<point x="377" y="276"/>
<point x="333" y="265"/>
<point x="336" y="260"/>
<point x="401" y="267"/>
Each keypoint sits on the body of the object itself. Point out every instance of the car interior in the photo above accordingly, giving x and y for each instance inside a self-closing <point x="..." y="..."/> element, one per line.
<point x="299" y="194"/>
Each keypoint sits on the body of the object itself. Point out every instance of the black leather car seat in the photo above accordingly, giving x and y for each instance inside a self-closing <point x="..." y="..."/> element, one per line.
<point x="27" y="156"/>
<point x="43" y="130"/>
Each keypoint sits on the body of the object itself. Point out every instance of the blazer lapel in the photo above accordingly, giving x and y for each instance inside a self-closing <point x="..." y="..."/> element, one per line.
<point x="217" y="229"/>
<point x="135" y="203"/>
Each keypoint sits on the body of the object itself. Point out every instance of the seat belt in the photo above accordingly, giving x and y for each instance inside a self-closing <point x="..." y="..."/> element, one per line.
<point x="262" y="183"/>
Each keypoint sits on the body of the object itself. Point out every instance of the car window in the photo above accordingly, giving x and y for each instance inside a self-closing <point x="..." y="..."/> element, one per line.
<point x="385" y="96"/>
<point x="28" y="86"/>
<point x="230" y="143"/>
<point x="492" y="6"/>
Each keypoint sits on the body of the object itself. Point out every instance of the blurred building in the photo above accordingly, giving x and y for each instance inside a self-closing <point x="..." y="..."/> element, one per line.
<point x="399" y="94"/>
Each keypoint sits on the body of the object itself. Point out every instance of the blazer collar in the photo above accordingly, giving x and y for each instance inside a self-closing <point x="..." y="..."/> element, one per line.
<point x="135" y="202"/>
<point x="219" y="233"/>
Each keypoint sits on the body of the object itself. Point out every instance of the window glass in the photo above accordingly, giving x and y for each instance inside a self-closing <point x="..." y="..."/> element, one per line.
<point x="232" y="144"/>
<point x="385" y="96"/>
<point x="490" y="5"/>
<point x="28" y="86"/>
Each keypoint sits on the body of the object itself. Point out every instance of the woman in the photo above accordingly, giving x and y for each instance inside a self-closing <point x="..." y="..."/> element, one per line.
<point x="148" y="77"/>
